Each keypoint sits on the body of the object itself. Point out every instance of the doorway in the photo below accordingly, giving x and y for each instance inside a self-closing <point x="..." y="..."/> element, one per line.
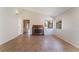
<point x="26" y="25"/>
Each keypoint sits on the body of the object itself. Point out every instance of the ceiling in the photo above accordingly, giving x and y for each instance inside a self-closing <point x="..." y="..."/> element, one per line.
<point x="50" y="11"/>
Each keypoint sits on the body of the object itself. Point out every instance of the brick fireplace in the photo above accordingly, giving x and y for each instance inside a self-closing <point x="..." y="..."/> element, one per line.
<point x="37" y="30"/>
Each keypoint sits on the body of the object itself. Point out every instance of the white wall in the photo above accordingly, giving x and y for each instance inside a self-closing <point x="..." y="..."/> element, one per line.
<point x="8" y="24"/>
<point x="70" y="26"/>
<point x="35" y="19"/>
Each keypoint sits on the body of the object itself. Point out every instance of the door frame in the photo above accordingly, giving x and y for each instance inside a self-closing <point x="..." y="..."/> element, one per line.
<point x="24" y="24"/>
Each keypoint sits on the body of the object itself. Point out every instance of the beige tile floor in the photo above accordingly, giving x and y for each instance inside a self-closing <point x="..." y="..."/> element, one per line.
<point x="26" y="43"/>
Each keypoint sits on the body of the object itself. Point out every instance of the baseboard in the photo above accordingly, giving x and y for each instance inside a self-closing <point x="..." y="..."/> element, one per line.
<point x="75" y="45"/>
<point x="10" y="39"/>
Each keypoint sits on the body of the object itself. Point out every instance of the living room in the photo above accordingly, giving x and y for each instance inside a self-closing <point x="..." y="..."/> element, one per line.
<point x="39" y="29"/>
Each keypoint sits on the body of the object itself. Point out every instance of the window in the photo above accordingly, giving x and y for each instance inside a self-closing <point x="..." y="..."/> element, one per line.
<point x="59" y="25"/>
<point x="48" y="24"/>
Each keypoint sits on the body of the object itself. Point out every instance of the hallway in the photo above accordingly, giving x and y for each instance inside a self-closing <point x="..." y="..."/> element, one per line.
<point x="25" y="43"/>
